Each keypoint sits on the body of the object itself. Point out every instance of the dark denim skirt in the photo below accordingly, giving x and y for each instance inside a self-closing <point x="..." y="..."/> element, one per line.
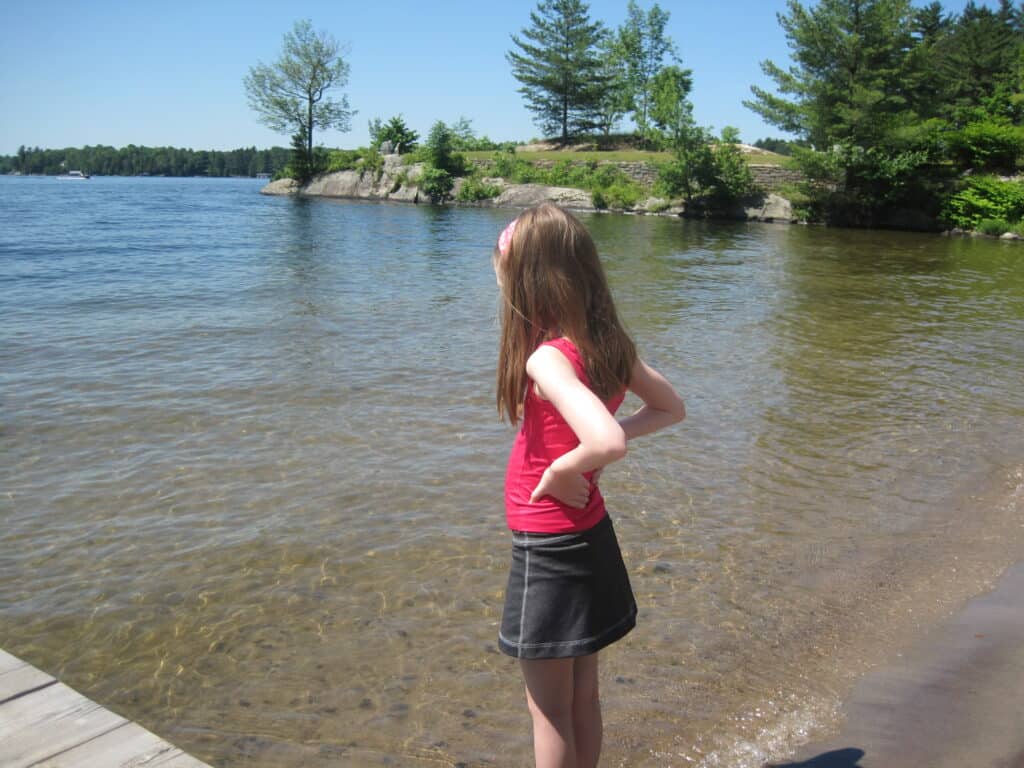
<point x="568" y="594"/>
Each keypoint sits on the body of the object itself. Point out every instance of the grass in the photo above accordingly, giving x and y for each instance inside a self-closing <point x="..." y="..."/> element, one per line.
<point x="620" y="156"/>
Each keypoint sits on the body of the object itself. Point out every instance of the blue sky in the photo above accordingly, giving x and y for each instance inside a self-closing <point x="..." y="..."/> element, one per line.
<point x="170" y="73"/>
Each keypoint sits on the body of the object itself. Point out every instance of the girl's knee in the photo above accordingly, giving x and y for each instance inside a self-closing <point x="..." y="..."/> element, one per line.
<point x="557" y="710"/>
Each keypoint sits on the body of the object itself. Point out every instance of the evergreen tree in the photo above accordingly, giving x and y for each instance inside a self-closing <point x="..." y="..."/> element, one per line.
<point x="978" y="61"/>
<point x="851" y="66"/>
<point x="558" y="64"/>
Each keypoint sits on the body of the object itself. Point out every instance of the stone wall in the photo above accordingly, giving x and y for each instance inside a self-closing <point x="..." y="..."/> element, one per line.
<point x="771" y="178"/>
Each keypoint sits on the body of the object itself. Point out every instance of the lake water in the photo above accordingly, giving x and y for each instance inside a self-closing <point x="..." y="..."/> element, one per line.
<point x="251" y="471"/>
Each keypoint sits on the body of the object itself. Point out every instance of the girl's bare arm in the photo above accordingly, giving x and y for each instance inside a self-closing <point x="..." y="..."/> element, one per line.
<point x="662" y="406"/>
<point x="602" y="439"/>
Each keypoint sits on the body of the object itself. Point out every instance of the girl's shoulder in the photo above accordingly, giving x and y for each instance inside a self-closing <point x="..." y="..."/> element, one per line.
<point x="567" y="347"/>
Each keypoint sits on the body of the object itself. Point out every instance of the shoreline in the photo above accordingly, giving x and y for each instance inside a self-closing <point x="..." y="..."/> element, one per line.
<point x="398" y="183"/>
<point x="769" y="208"/>
<point x="948" y="700"/>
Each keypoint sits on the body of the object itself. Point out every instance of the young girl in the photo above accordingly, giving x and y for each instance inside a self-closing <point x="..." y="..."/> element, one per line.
<point x="564" y="365"/>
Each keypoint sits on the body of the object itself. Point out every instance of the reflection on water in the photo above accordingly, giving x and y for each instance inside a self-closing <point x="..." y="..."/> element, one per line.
<point x="251" y="476"/>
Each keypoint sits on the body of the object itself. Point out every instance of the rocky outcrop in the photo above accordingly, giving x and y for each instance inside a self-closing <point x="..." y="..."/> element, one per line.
<point x="527" y="195"/>
<point x="281" y="187"/>
<point x="397" y="182"/>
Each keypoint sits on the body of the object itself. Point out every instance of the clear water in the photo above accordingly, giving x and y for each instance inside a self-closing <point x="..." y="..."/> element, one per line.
<point x="250" y="469"/>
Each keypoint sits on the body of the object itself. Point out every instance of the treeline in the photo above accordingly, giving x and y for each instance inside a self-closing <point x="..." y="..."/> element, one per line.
<point x="902" y="109"/>
<point x="146" y="161"/>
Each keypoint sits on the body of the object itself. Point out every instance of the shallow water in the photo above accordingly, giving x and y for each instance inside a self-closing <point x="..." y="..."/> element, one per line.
<point x="250" y="470"/>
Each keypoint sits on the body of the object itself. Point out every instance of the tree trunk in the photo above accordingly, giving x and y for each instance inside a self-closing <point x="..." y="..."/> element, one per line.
<point x="309" y="133"/>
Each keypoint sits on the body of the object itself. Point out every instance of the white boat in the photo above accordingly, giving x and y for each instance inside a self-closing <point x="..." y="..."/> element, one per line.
<point x="73" y="176"/>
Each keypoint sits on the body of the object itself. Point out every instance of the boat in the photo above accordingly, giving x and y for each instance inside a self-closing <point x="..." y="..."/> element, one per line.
<point x="73" y="176"/>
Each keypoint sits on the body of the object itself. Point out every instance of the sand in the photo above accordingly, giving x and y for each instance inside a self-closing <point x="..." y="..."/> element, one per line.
<point x="953" y="700"/>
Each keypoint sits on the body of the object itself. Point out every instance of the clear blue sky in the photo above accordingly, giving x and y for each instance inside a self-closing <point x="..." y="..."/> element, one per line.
<point x="170" y="73"/>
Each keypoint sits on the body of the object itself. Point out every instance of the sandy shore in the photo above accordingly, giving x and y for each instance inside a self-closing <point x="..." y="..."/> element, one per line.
<point x="953" y="700"/>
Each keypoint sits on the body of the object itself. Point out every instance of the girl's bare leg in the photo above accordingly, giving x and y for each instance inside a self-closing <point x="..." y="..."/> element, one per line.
<point x="549" y="695"/>
<point x="586" y="711"/>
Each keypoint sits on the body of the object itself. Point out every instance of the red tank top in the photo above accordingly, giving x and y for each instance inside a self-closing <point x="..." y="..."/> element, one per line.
<point x="542" y="438"/>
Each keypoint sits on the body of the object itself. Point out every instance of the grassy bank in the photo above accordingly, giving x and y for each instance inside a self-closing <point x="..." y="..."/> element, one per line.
<point x="759" y="157"/>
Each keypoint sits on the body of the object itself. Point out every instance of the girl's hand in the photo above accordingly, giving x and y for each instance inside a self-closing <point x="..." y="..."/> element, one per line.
<point x="569" y="488"/>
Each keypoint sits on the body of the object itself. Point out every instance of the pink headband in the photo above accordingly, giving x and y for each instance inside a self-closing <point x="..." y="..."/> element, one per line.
<point x="505" y="240"/>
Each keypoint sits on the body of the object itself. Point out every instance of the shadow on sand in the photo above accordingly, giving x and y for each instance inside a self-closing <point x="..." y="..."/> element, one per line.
<point x="839" y="758"/>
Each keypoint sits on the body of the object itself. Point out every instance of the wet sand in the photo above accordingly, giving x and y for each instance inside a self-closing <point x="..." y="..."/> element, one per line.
<point x="954" y="699"/>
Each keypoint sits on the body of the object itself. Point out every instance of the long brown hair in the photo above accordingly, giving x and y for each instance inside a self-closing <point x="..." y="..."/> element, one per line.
<point x="553" y="285"/>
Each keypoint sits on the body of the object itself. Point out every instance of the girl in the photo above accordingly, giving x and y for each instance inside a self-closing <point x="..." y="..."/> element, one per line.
<point x="564" y="365"/>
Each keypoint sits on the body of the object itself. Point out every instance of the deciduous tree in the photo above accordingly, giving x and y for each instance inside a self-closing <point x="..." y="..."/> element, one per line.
<point x="292" y="95"/>
<point x="644" y="48"/>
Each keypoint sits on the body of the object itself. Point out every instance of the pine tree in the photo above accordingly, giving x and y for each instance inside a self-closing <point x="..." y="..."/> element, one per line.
<point x="559" y="67"/>
<point x="850" y="73"/>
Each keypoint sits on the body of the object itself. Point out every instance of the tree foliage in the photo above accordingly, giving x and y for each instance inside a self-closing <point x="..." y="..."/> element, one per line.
<point x="643" y="46"/>
<point x="557" y="62"/>
<point x="403" y="138"/>
<point x="146" y="161"/>
<point x="292" y="95"/>
<point x="893" y="99"/>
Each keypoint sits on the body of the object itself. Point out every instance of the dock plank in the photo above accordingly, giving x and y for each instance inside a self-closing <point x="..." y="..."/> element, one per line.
<point x="18" y="681"/>
<point x="46" y="724"/>
<point x="130" y="746"/>
<point x="9" y="662"/>
<point x="40" y="724"/>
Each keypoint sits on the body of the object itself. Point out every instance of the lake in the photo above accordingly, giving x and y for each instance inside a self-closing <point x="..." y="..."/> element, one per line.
<point x="251" y="470"/>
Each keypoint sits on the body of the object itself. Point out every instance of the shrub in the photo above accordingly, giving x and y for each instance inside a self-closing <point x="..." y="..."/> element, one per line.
<point x="474" y="188"/>
<point x="437" y="183"/>
<point x="987" y="146"/>
<point x="438" y="151"/>
<point x="622" y="196"/>
<point x="402" y="138"/>
<point x="994" y="227"/>
<point x="372" y="162"/>
<point x="985" y="197"/>
<point x="343" y="160"/>
<point x="731" y="176"/>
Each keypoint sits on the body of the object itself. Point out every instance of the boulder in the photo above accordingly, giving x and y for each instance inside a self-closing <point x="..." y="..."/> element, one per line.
<point x="1010" y="236"/>
<point x="654" y="205"/>
<point x="772" y="207"/>
<point x="281" y="187"/>
<point x="528" y="195"/>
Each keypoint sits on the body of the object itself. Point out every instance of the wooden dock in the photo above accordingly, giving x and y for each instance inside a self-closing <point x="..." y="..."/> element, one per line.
<point x="45" y="724"/>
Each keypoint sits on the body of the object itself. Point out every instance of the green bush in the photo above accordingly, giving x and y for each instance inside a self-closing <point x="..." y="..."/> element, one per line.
<point x="343" y="159"/>
<point x="732" y="179"/>
<point x="437" y="183"/>
<point x="622" y="196"/>
<point x="439" y="152"/>
<point x="985" y="198"/>
<point x="474" y="188"/>
<point x="372" y="162"/>
<point x="401" y="136"/>
<point x="987" y="146"/>
<point x="994" y="227"/>
<point x="608" y="185"/>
